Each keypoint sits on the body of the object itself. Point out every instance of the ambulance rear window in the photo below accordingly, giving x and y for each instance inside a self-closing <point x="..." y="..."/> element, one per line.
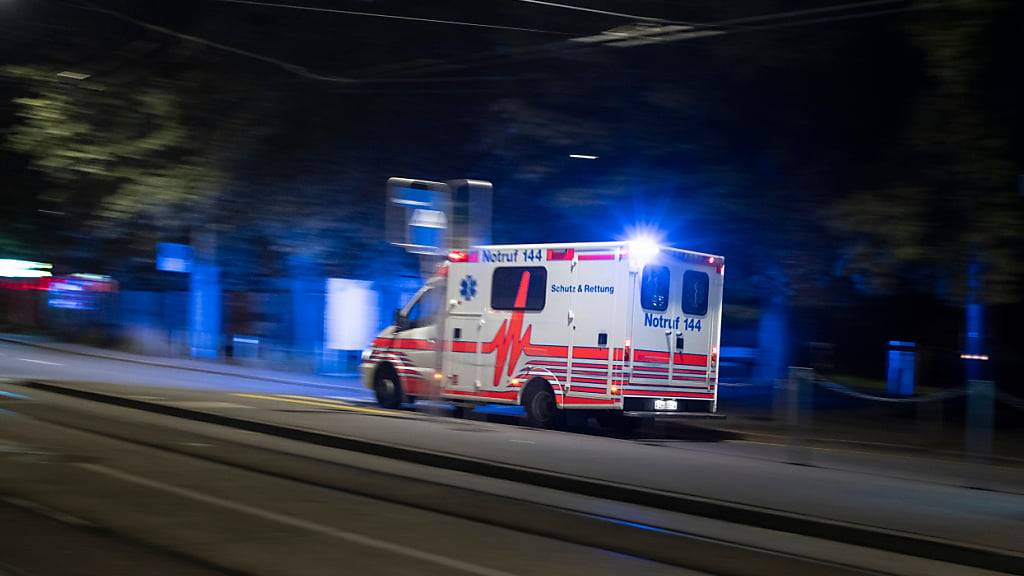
<point x="654" y="288"/>
<point x="507" y="282"/>
<point x="695" y="293"/>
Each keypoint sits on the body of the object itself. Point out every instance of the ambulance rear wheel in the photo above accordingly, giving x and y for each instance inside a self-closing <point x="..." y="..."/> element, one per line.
<point x="388" y="388"/>
<point x="541" y="410"/>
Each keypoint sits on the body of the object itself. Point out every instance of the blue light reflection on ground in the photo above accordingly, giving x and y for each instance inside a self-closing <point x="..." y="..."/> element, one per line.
<point x="500" y="410"/>
<point x="635" y="525"/>
<point x="15" y="395"/>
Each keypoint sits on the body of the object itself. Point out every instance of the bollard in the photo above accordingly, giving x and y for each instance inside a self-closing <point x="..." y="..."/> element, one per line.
<point x="798" y="414"/>
<point x="980" y="408"/>
<point x="930" y="417"/>
<point x="780" y="395"/>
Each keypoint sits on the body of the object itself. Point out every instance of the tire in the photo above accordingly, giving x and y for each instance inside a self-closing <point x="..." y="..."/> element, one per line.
<point x="388" y="388"/>
<point x="541" y="410"/>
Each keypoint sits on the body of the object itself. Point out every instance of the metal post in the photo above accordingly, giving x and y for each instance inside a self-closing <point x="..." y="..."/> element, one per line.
<point x="930" y="416"/>
<point x="780" y="395"/>
<point x="797" y="414"/>
<point x="205" y="310"/>
<point x="307" y="291"/>
<point x="978" y="441"/>
<point x="980" y="408"/>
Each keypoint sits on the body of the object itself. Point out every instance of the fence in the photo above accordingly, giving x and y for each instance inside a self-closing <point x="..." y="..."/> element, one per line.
<point x="794" y="406"/>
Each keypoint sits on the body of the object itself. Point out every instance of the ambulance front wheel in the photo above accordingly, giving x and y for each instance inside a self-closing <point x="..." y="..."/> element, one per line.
<point x="541" y="410"/>
<point x="387" y="387"/>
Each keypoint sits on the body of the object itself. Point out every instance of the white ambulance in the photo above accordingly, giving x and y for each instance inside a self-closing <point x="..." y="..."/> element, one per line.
<point x="617" y="328"/>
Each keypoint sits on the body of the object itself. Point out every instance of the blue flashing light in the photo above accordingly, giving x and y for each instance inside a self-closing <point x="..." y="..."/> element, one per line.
<point x="642" y="250"/>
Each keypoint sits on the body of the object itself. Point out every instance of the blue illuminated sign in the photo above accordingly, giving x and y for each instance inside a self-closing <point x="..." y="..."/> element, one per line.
<point x="171" y="257"/>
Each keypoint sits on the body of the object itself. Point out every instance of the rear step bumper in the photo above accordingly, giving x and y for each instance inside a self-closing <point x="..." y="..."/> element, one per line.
<point x="670" y="414"/>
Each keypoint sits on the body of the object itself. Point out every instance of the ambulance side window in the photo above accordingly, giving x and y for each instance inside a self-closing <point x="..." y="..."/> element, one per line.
<point x="508" y="282"/>
<point x="654" y="288"/>
<point x="695" y="293"/>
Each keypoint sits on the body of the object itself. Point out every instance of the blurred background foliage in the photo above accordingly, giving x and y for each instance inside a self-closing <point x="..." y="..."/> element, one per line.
<point x="873" y="157"/>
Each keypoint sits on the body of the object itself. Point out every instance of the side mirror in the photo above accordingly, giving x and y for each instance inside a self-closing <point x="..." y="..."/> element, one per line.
<point x="398" y="320"/>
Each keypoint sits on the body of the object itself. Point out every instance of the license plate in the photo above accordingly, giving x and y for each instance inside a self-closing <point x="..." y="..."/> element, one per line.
<point x="665" y="404"/>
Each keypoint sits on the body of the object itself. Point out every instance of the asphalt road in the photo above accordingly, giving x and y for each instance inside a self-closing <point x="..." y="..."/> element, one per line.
<point x="230" y="519"/>
<point x="183" y="493"/>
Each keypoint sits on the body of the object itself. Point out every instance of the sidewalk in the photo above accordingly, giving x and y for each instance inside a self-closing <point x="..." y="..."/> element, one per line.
<point x="830" y="420"/>
<point x="208" y="367"/>
<point x="750" y="412"/>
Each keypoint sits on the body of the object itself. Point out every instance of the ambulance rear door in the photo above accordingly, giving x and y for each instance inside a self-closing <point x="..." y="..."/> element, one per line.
<point x="599" y="320"/>
<point x="674" y="327"/>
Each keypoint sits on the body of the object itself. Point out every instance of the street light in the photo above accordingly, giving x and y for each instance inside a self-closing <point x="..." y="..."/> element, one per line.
<point x="583" y="156"/>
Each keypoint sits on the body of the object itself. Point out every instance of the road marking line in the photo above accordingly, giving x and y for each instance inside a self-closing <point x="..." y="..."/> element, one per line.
<point x="522" y="441"/>
<point x="294" y="522"/>
<point x="47" y="511"/>
<point x="324" y="404"/>
<point x="40" y="362"/>
<point x="333" y="400"/>
<point x="201" y="404"/>
<point x="355" y="399"/>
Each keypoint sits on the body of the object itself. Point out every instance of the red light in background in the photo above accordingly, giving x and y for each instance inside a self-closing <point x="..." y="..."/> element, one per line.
<point x="26" y="284"/>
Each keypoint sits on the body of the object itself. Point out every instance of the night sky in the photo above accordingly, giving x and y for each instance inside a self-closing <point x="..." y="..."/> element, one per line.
<point x="795" y="105"/>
